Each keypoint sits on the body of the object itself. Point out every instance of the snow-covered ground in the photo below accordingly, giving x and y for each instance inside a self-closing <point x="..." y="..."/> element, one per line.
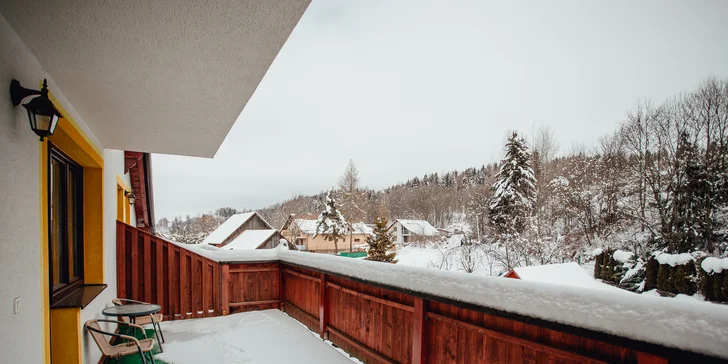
<point x="446" y="256"/>
<point x="268" y="336"/>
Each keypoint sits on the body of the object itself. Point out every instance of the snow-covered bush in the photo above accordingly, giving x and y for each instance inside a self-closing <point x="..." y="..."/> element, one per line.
<point x="714" y="278"/>
<point x="675" y="273"/>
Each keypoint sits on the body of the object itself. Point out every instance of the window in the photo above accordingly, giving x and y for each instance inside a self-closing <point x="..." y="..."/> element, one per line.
<point x="123" y="207"/>
<point x="356" y="240"/>
<point x="65" y="238"/>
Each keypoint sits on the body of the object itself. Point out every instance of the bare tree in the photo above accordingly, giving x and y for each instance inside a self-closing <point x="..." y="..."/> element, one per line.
<point x="352" y="199"/>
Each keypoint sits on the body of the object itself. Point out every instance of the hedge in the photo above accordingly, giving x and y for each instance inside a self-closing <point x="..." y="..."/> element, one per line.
<point x="713" y="286"/>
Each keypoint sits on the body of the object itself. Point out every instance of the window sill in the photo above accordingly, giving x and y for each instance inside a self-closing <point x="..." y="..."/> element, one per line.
<point x="81" y="296"/>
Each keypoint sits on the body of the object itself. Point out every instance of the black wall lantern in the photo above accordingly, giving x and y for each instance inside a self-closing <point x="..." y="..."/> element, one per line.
<point x="131" y="196"/>
<point x="42" y="115"/>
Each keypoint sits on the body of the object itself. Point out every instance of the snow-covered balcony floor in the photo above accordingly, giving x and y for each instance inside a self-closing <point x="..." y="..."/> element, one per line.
<point x="268" y="336"/>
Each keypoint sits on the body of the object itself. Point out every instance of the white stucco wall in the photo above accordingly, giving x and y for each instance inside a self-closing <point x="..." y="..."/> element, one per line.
<point x="20" y="257"/>
<point x="20" y="245"/>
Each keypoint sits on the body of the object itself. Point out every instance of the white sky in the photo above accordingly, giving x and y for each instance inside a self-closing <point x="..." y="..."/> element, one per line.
<point x="406" y="88"/>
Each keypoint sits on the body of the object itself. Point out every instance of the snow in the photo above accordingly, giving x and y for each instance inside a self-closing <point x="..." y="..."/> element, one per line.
<point x="231" y="255"/>
<point x="268" y="336"/>
<point x="250" y="239"/>
<point x="419" y="227"/>
<point x="680" y="297"/>
<point x="673" y="259"/>
<point x="569" y="274"/>
<point x="697" y="326"/>
<point x="622" y="256"/>
<point x="597" y="251"/>
<point x="714" y="265"/>
<point x="227" y="228"/>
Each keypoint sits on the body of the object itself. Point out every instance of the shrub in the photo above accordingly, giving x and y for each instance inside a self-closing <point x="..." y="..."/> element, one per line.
<point x="651" y="273"/>
<point x="634" y="281"/>
<point x="718" y="287"/>
<point x="706" y="285"/>
<point x="607" y="271"/>
<point x="683" y="278"/>
<point x="663" y="278"/>
<point x="598" y="264"/>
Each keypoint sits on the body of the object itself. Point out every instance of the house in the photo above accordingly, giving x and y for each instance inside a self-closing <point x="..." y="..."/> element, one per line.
<point x="300" y="229"/>
<point x="140" y="79"/>
<point x="245" y="231"/>
<point x="569" y="274"/>
<point x="412" y="230"/>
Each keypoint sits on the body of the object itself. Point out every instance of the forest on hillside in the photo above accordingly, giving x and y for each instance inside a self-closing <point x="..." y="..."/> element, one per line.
<point x="658" y="182"/>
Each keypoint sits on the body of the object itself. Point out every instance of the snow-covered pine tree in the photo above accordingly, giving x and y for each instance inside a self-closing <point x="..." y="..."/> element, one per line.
<point x="331" y="222"/>
<point x="381" y="244"/>
<point x="514" y="194"/>
<point x="514" y="191"/>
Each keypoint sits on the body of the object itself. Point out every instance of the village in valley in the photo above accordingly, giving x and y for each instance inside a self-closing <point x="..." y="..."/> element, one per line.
<point x="644" y="211"/>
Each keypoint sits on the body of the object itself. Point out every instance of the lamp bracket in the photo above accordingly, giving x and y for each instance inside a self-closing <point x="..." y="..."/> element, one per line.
<point x="18" y="93"/>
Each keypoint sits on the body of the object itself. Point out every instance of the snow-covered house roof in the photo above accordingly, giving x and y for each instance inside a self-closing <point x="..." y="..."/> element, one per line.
<point x="419" y="227"/>
<point x="228" y="227"/>
<point x="361" y="228"/>
<point x="568" y="274"/>
<point x="250" y="239"/>
<point x="306" y="226"/>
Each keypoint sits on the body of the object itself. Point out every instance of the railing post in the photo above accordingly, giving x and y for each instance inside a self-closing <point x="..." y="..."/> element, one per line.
<point x="121" y="268"/>
<point x="225" y="294"/>
<point x="323" y="307"/>
<point x="280" y="287"/>
<point x="419" y="332"/>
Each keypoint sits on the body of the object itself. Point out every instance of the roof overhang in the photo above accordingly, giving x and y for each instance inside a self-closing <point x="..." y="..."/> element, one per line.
<point x="166" y="76"/>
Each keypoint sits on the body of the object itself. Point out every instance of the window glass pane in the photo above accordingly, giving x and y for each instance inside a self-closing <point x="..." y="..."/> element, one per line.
<point x="56" y="198"/>
<point x="71" y="203"/>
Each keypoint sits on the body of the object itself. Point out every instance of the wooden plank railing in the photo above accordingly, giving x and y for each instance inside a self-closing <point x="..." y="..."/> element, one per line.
<point x="371" y="321"/>
<point x="152" y="269"/>
<point x="380" y="325"/>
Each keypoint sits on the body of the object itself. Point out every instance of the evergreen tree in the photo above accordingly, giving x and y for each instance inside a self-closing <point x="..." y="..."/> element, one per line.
<point x="690" y="200"/>
<point x="331" y="222"/>
<point x="514" y="191"/>
<point x="511" y="207"/>
<point x="381" y="243"/>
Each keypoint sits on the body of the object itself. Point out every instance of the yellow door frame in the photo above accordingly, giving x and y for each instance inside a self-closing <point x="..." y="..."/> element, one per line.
<point x="71" y="139"/>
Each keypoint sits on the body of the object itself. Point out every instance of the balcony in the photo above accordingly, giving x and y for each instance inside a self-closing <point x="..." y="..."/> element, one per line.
<point x="377" y="312"/>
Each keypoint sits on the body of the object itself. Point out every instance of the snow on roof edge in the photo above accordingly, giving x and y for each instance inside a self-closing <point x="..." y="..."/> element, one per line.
<point x="250" y="239"/>
<point x="229" y="226"/>
<point x="700" y="327"/>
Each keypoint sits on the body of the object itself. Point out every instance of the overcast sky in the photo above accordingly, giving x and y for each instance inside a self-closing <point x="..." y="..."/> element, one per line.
<point x="406" y="88"/>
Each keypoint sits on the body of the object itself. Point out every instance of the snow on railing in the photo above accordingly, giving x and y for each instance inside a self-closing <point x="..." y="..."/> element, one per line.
<point x="696" y="326"/>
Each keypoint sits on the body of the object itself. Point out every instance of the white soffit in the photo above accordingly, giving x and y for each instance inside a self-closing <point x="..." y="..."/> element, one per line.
<point x="164" y="76"/>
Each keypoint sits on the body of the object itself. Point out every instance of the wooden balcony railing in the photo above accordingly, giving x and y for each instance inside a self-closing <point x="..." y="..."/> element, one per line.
<point x="373" y="322"/>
